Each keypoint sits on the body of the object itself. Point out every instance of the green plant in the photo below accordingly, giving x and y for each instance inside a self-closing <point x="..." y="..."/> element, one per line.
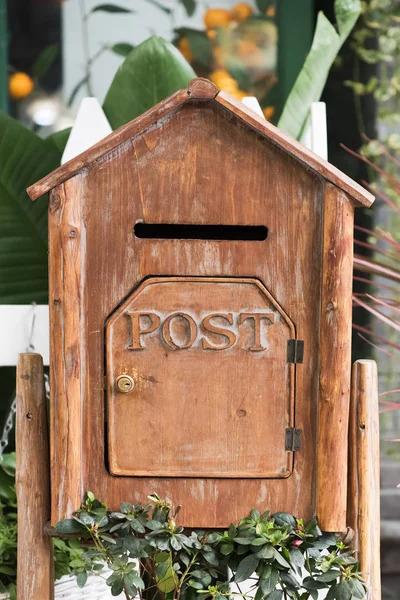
<point x="283" y="557"/>
<point x="67" y="553"/>
<point x="311" y="80"/>
<point x="8" y="525"/>
<point x="150" y="72"/>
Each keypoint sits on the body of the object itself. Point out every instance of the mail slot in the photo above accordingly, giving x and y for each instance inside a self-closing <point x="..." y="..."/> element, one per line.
<point x="200" y="299"/>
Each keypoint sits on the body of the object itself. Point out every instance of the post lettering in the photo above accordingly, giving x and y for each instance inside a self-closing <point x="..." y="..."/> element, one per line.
<point x="137" y="331"/>
<point x="191" y="331"/>
<point x="257" y="318"/>
<point x="226" y="333"/>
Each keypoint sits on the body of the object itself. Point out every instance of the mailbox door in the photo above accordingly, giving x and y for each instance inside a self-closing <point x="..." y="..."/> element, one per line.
<point x="199" y="383"/>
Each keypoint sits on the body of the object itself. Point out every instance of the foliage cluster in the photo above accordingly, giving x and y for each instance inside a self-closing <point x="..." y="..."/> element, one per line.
<point x="149" y="553"/>
<point x="376" y="41"/>
<point x="65" y="552"/>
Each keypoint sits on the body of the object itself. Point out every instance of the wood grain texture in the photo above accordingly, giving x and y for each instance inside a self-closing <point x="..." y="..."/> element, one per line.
<point x="168" y="174"/>
<point x="67" y="346"/>
<point x="364" y="488"/>
<point x="335" y="360"/>
<point x="359" y="195"/>
<point x="35" y="576"/>
<point x="202" y="89"/>
<point x="206" y="389"/>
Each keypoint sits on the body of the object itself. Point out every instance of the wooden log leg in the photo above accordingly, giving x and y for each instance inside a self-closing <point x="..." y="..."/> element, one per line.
<point x="363" y="511"/>
<point x="35" y="574"/>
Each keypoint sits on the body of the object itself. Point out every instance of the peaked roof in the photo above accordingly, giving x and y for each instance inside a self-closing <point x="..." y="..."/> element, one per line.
<point x="202" y="89"/>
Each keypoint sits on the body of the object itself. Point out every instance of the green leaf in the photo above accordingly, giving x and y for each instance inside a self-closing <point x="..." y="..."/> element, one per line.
<point x="266" y="552"/>
<point x="246" y="568"/>
<point x="284" y="520"/>
<point x="314" y="73"/>
<point x="190" y="6"/>
<point x="122" y="49"/>
<point x="200" y="46"/>
<point x="255" y="514"/>
<point x="45" y="60"/>
<point x="279" y="559"/>
<point x="226" y="549"/>
<point x="117" y="587"/>
<point x="24" y="158"/>
<point x="81" y="579"/>
<point x="151" y="72"/>
<point x="329" y="576"/>
<point x="68" y="526"/>
<point x="296" y="557"/>
<point x="357" y="589"/>
<point x="111" y="8"/>
<point x="231" y="531"/>
<point x="276" y="595"/>
<point x="343" y="591"/>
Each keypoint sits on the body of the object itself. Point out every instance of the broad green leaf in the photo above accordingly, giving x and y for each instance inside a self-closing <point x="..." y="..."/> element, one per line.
<point x="190" y="6"/>
<point x="151" y="72"/>
<point x="356" y="587"/>
<point x="45" y="60"/>
<point x="111" y="8"/>
<point x="123" y="48"/>
<point x="284" y="519"/>
<point x="81" y="579"/>
<point x="314" y="73"/>
<point x="246" y="568"/>
<point x="68" y="526"/>
<point x="24" y="158"/>
<point x="276" y="595"/>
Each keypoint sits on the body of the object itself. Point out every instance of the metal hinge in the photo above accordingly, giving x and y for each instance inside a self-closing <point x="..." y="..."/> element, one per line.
<point x="295" y="351"/>
<point x="292" y="439"/>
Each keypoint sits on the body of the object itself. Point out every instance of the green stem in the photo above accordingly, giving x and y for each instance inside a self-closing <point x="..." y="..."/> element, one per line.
<point x="86" y="52"/>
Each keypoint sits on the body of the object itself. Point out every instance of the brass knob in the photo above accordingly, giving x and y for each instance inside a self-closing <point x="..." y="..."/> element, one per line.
<point x="124" y="383"/>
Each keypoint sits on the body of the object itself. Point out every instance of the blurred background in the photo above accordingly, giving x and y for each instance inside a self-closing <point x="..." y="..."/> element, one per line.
<point x="55" y="52"/>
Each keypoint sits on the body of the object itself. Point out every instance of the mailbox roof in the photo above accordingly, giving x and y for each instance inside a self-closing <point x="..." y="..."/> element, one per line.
<point x="202" y="89"/>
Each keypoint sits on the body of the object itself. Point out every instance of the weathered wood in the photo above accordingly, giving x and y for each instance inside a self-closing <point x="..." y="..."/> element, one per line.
<point x="67" y="242"/>
<point x="203" y="89"/>
<point x="218" y="338"/>
<point x="359" y="195"/>
<point x="364" y="489"/>
<point x="335" y="360"/>
<point x="153" y="179"/>
<point x="35" y="577"/>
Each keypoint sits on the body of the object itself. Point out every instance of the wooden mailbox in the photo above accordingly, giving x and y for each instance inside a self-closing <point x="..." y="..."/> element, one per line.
<point x="200" y="299"/>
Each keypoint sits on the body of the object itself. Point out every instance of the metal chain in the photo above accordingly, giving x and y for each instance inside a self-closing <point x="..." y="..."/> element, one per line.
<point x="9" y="424"/>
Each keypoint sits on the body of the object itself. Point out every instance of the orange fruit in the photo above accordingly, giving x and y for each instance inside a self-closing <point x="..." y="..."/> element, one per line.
<point x="270" y="11"/>
<point x="217" y="17"/>
<point x="241" y="12"/>
<point x="269" y="112"/>
<point x="20" y="85"/>
<point x="184" y="48"/>
<point x="224" y="81"/>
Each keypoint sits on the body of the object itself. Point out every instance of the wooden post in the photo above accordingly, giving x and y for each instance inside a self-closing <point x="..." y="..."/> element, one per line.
<point x="363" y="511"/>
<point x="35" y="577"/>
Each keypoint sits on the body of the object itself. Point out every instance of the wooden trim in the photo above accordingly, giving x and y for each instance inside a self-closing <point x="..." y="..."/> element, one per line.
<point x="364" y="488"/>
<point x="201" y="89"/>
<point x="35" y="576"/>
<point x="359" y="195"/>
<point x="335" y="360"/>
<point x="109" y="143"/>
<point x="67" y="321"/>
